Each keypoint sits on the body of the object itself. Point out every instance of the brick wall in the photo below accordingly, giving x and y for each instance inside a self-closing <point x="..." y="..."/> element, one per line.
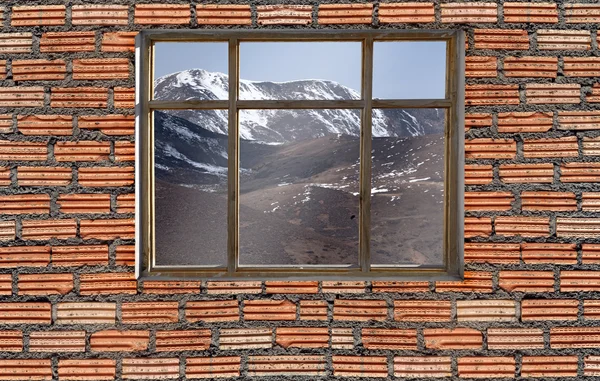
<point x="70" y="308"/>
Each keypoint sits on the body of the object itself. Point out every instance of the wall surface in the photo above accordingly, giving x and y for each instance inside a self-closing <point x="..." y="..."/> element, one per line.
<point x="71" y="309"/>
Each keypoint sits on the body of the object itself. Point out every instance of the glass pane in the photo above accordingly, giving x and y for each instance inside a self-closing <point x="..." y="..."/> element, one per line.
<point x="407" y="188"/>
<point x="300" y="70"/>
<point x="190" y="70"/>
<point x="409" y="70"/>
<point x="190" y="165"/>
<point x="299" y="187"/>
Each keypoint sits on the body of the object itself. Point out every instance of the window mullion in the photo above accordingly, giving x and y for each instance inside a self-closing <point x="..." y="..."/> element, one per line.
<point x="365" y="156"/>
<point x="233" y="160"/>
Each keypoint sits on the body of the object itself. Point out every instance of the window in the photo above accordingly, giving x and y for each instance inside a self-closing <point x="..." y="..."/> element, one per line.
<point x="300" y="155"/>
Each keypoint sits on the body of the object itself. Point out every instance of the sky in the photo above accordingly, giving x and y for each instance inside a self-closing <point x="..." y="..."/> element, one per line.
<point x="402" y="70"/>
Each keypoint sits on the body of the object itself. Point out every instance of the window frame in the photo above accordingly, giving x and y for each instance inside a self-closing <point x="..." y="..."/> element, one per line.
<point x="453" y="103"/>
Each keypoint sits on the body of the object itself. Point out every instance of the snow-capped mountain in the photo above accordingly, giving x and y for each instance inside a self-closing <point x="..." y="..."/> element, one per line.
<point x="281" y="126"/>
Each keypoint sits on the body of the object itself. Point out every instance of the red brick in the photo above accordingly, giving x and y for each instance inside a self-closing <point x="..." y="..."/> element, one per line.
<point x="394" y="339"/>
<point x="107" y="229"/>
<point x="45" y="284"/>
<point x="11" y="341"/>
<point x="31" y="96"/>
<point x="343" y="287"/>
<point x="495" y="253"/>
<point x="485" y="310"/>
<point x="269" y="310"/>
<point x="23" y="151"/>
<point x="100" y="14"/>
<point x="171" y="287"/>
<point x="579" y="120"/>
<point x="484" y="148"/>
<point x="524" y="122"/>
<point x="342" y="338"/>
<point x="118" y="41"/>
<point x="149" y="312"/>
<point x="212" y="311"/>
<point x="313" y="310"/>
<point x="157" y="14"/>
<point x="24" y="256"/>
<point x="82" y="151"/>
<point x="406" y="13"/>
<point x="594" y="95"/>
<point x="478" y="174"/>
<point x="515" y="338"/>
<point x="92" y="97"/>
<point x="422" y="366"/>
<point x="402" y="287"/>
<point x="119" y="341"/>
<point x="280" y="365"/>
<point x="474" y="281"/>
<point x="534" y="67"/>
<point x="191" y="340"/>
<point x="582" y="13"/>
<point x="80" y="255"/>
<point x="591" y="309"/>
<point x="488" y="200"/>
<point x="57" y="341"/>
<point x="505" y="39"/>
<point x="553" y="93"/>
<point x="223" y="14"/>
<point x="84" y="203"/>
<point x="486" y="367"/>
<point x="150" y="368"/>
<point x="68" y="42"/>
<point x="579" y="280"/>
<point x="125" y="255"/>
<point x="526" y="281"/>
<point x="543" y="148"/>
<point x="581" y="66"/>
<point x="554" y="253"/>
<point x="38" y="15"/>
<point x="235" y="339"/>
<point x="124" y="151"/>
<point x="58" y="125"/>
<point x="47" y="229"/>
<point x="549" y="366"/>
<point x="591" y="146"/>
<point x="6" y="123"/>
<point x="481" y="66"/>
<point x="360" y="366"/>
<point x="302" y="337"/>
<point x="590" y="201"/>
<point x="292" y="287"/>
<point x="553" y="39"/>
<point x="38" y="70"/>
<point x="578" y="227"/>
<point x="15" y="43"/>
<point x="481" y="95"/>
<point x="477" y="120"/>
<point x="25" y="313"/>
<point x="25" y="204"/>
<point x="7" y="230"/>
<point x="527" y="173"/>
<point x="86" y="369"/>
<point x="457" y="338"/>
<point x="549" y="309"/>
<point x="422" y="310"/>
<point x="359" y="310"/>
<point x="108" y="124"/>
<point x="5" y="176"/>
<point x="6" y="284"/>
<point x="26" y="370"/>
<point x="463" y="13"/>
<point x="212" y="367"/>
<point x="100" y="68"/>
<point x="107" y="283"/>
<point x="345" y="13"/>
<point x="44" y="176"/>
<point x="85" y="313"/>
<point x="106" y="176"/>
<point x="478" y="227"/>
<point x="522" y="12"/>
<point x="574" y="337"/>
<point x="124" y="97"/>
<point x="247" y="287"/>
<point x="282" y="14"/>
<point x="522" y="226"/>
<point x="558" y="201"/>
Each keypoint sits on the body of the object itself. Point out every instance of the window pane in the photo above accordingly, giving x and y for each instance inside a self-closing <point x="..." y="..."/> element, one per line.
<point x="300" y="70"/>
<point x="409" y="70"/>
<point x="407" y="188"/>
<point x="190" y="165"/>
<point x="190" y="70"/>
<point x="299" y="186"/>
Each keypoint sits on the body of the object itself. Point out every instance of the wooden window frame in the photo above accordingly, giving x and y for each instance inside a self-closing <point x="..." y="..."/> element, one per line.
<point x="453" y="103"/>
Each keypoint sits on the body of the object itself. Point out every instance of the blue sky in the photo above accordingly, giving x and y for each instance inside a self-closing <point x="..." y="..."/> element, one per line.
<point x="406" y="70"/>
